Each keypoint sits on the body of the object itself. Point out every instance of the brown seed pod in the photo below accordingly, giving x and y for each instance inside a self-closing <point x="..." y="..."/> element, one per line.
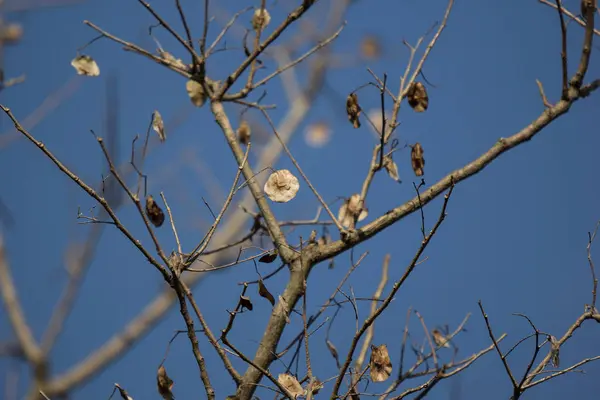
<point x="417" y="97"/>
<point x="154" y="213"/>
<point x="164" y="383"/>
<point x="243" y="132"/>
<point x="353" y="109"/>
<point x="417" y="160"/>
<point x="380" y="364"/>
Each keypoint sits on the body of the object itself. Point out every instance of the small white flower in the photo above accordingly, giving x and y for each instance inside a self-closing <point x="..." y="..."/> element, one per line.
<point x="282" y="186"/>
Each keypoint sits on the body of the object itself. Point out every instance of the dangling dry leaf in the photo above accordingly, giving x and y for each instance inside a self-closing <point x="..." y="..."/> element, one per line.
<point x="269" y="257"/>
<point x="391" y="168"/>
<point x="282" y="186"/>
<point x="417" y="97"/>
<point x="291" y="384"/>
<point x="554" y="351"/>
<point x="264" y="292"/>
<point x="260" y="19"/>
<point x="154" y="212"/>
<point x="158" y="125"/>
<point x="353" y="109"/>
<point x="196" y="93"/>
<point x="370" y="48"/>
<point x="352" y="211"/>
<point x="164" y="383"/>
<point x="245" y="302"/>
<point x="333" y="351"/>
<point x="380" y="364"/>
<point x="440" y="339"/>
<point x="417" y="160"/>
<point x="317" y="135"/>
<point x="243" y="132"/>
<point x="85" y="65"/>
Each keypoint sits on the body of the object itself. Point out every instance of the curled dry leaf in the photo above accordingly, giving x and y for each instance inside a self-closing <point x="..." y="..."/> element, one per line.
<point x="264" y="292"/>
<point x="196" y="92"/>
<point x="353" y="109"/>
<point x="260" y="19"/>
<point x="554" y="351"/>
<point x="164" y="383"/>
<point x="154" y="212"/>
<point x="158" y="125"/>
<point x="333" y="351"/>
<point x="291" y="384"/>
<point x="391" y="168"/>
<point x="380" y="364"/>
<point x="285" y="308"/>
<point x="85" y="65"/>
<point x="352" y="211"/>
<point x="370" y="48"/>
<point x="243" y="132"/>
<point x="269" y="257"/>
<point x="417" y="97"/>
<point x="245" y="302"/>
<point x="417" y="160"/>
<point x="317" y="135"/>
<point x="439" y="338"/>
<point x="282" y="186"/>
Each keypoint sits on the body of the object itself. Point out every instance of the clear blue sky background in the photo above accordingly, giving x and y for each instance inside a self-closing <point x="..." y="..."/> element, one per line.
<point x="515" y="236"/>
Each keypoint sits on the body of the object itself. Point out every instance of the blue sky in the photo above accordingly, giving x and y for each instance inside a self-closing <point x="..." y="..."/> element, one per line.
<point x="515" y="236"/>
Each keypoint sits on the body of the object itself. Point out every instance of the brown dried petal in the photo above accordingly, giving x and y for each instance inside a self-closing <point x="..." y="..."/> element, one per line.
<point x="353" y="109"/>
<point x="417" y="97"/>
<point x="417" y="160"/>
<point x="380" y="364"/>
<point x="158" y="125"/>
<point x="85" y="65"/>
<point x="282" y="186"/>
<point x="260" y="19"/>
<point x="154" y="213"/>
<point x="440" y="339"/>
<point x="291" y="384"/>
<point x="243" y="132"/>
<point x="264" y="292"/>
<point x="196" y="92"/>
<point x="164" y="383"/>
<point x="391" y="168"/>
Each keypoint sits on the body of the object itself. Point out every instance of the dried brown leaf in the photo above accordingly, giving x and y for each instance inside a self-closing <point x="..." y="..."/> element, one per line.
<point x="264" y="292"/>
<point x="164" y="383"/>
<point x="154" y="212"/>
<point x="417" y="160"/>
<point x="245" y="302"/>
<point x="353" y="109"/>
<point x="333" y="351"/>
<point x="380" y="364"/>
<point x="352" y="211"/>
<point x="417" y="97"/>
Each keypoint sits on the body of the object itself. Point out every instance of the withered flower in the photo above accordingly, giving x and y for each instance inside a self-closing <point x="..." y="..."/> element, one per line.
<point x="439" y="338"/>
<point x="282" y="186"/>
<point x="380" y="364"/>
<point x="164" y="383"/>
<point x="196" y="92"/>
<point x="244" y="132"/>
<point x="158" y="125"/>
<point x="291" y="384"/>
<point x="353" y="109"/>
<point x="417" y="160"/>
<point x="85" y="65"/>
<point x="260" y="19"/>
<point x="352" y="211"/>
<point x="417" y="97"/>
<point x="391" y="168"/>
<point x="153" y="211"/>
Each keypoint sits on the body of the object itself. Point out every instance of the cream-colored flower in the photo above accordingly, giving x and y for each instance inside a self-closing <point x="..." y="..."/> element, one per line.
<point x="282" y="186"/>
<point x="85" y="65"/>
<point x="352" y="210"/>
